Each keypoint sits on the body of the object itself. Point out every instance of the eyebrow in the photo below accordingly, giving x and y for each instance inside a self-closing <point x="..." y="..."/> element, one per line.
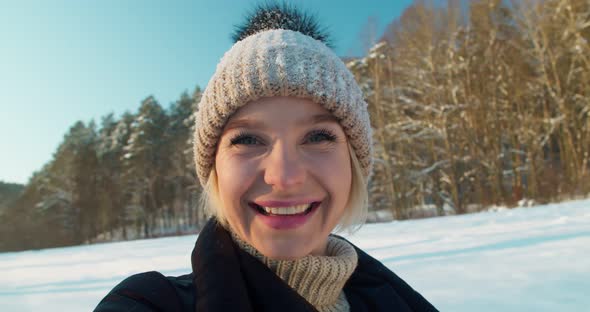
<point x="318" y="118"/>
<point x="255" y="124"/>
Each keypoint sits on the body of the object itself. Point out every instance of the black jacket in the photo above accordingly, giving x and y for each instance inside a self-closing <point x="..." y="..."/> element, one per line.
<point x="226" y="278"/>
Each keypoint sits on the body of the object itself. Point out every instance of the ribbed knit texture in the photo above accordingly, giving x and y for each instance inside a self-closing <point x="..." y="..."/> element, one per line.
<point x="280" y="63"/>
<point x="318" y="279"/>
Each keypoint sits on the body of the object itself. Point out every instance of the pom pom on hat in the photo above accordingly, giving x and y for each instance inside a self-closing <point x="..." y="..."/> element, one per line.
<point x="281" y="16"/>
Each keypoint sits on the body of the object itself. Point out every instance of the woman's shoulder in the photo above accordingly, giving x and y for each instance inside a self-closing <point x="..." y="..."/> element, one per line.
<point x="373" y="282"/>
<point x="150" y="291"/>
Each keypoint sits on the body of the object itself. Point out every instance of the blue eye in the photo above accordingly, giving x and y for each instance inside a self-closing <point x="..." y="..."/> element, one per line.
<point x="244" y="139"/>
<point x="318" y="136"/>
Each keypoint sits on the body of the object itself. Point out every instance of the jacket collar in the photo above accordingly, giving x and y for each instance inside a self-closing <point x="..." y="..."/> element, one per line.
<point x="227" y="278"/>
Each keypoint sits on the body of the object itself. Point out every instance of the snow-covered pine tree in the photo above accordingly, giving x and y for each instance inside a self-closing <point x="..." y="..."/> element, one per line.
<point x="146" y="162"/>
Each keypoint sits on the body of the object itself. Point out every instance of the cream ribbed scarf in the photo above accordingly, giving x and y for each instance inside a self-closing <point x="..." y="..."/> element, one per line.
<point x="318" y="279"/>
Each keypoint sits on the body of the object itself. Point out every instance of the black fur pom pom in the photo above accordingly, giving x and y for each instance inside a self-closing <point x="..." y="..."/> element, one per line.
<point x="275" y="15"/>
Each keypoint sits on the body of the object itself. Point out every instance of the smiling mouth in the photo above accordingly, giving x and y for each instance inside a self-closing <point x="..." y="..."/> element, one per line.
<point x="297" y="210"/>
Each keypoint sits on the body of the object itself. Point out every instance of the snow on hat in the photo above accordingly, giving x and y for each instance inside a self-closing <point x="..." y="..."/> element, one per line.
<point x="280" y="51"/>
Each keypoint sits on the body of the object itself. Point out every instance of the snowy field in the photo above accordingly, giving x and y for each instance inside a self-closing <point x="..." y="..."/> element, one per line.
<point x="525" y="259"/>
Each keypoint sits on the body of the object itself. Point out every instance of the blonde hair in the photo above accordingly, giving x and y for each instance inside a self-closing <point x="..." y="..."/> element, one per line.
<point x="355" y="213"/>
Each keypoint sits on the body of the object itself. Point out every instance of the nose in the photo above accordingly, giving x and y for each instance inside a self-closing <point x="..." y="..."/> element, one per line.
<point x="283" y="168"/>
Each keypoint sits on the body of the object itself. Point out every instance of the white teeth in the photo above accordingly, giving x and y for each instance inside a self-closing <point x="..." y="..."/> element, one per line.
<point x="286" y="210"/>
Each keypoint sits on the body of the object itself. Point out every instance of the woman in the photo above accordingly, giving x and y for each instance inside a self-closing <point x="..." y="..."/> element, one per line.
<point x="283" y="149"/>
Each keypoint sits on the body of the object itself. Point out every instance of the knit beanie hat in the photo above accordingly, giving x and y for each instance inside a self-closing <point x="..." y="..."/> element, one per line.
<point x="279" y="52"/>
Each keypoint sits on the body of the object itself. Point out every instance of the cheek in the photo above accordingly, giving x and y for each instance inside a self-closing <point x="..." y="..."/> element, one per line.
<point x="335" y="172"/>
<point x="234" y="176"/>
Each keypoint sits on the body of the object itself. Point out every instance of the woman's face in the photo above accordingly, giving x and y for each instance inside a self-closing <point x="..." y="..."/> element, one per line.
<point x="284" y="175"/>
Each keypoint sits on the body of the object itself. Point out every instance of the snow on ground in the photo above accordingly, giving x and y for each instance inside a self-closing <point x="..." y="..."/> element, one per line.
<point x="525" y="259"/>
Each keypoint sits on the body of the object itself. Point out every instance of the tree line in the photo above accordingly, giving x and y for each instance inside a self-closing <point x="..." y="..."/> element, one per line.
<point x="480" y="103"/>
<point x="473" y="103"/>
<point x="128" y="178"/>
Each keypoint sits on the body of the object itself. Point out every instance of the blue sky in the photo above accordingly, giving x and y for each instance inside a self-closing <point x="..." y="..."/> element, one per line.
<point x="63" y="61"/>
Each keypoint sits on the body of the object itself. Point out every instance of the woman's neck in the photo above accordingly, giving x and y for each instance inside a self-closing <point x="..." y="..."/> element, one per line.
<point x="317" y="278"/>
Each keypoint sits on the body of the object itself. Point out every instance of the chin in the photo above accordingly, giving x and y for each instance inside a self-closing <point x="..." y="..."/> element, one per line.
<point x="289" y="249"/>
